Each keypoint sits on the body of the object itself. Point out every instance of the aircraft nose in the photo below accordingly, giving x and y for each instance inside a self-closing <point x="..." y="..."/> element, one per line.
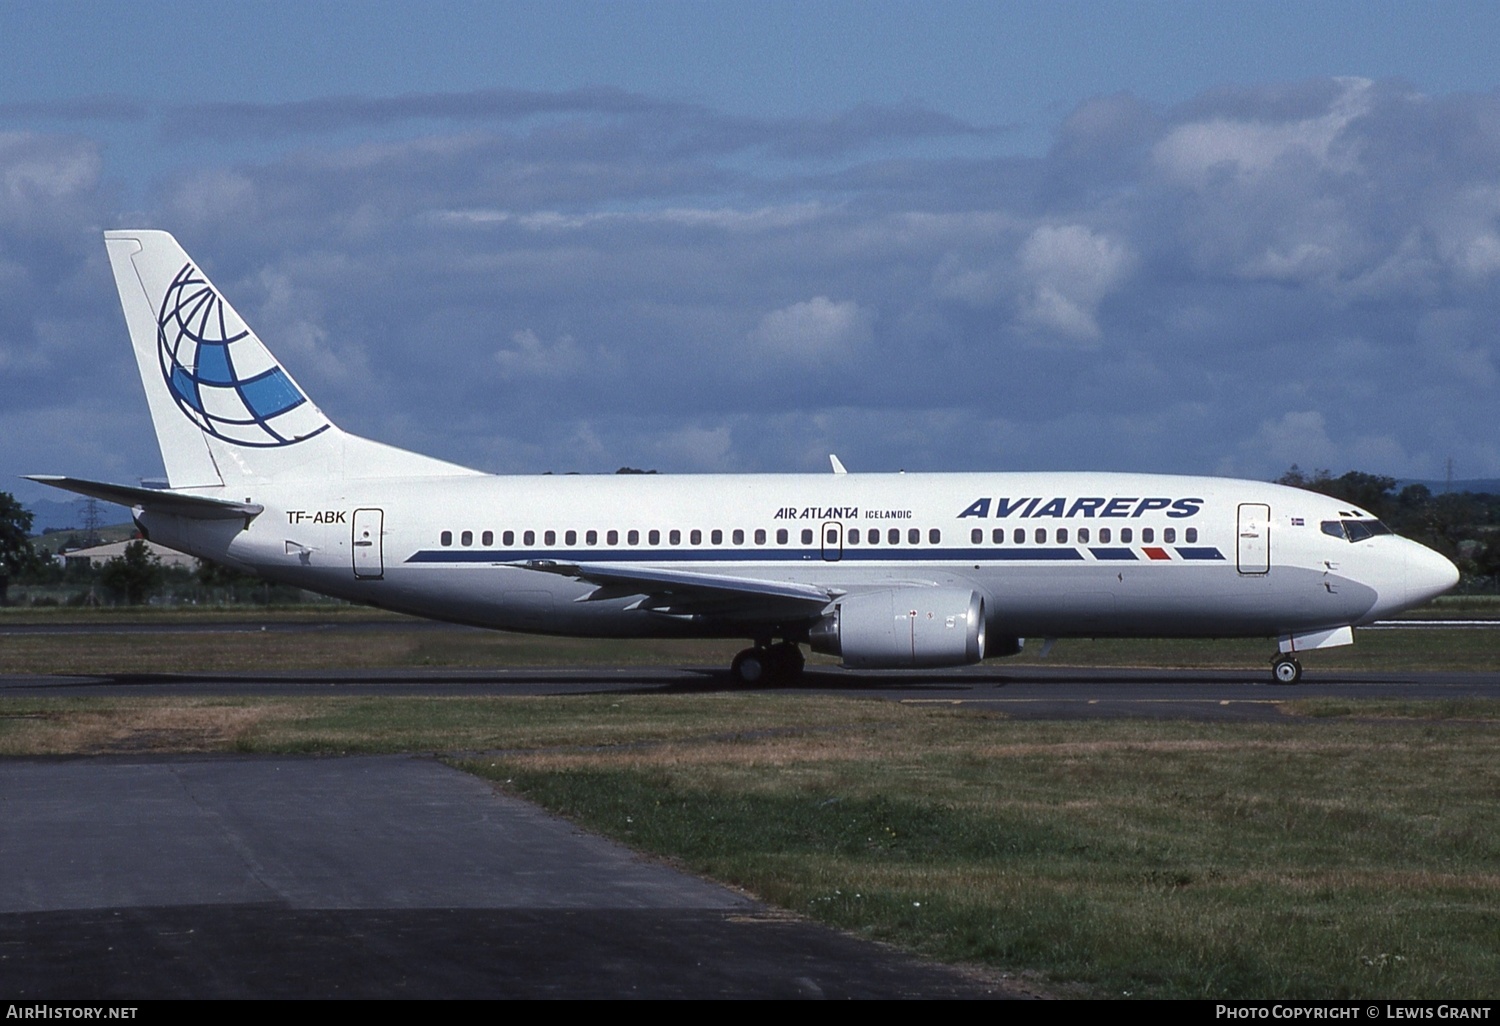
<point x="1428" y="574"/>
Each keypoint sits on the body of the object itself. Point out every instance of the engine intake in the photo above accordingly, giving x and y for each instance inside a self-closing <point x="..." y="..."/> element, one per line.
<point x="903" y="628"/>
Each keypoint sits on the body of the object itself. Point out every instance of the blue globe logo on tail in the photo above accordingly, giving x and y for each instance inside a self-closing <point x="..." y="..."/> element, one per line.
<point x="221" y="376"/>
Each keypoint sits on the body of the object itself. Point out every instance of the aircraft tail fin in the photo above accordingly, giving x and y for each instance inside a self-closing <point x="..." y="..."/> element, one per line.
<point x="224" y="409"/>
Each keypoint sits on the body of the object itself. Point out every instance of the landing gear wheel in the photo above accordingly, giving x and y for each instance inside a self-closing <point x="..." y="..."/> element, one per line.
<point x="751" y="666"/>
<point x="785" y="662"/>
<point x="1286" y="670"/>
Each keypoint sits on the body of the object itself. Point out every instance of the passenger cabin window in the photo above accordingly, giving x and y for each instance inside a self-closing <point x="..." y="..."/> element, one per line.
<point x="1191" y="534"/>
<point x="613" y="537"/>
<point x="446" y="538"/>
<point x="653" y="536"/>
<point x="739" y="536"/>
<point x="1020" y="536"/>
<point x="696" y="537"/>
<point x="675" y="538"/>
<point x="934" y="536"/>
<point x="853" y="536"/>
<point x="1169" y="535"/>
<point x="529" y="538"/>
<point x="873" y="536"/>
<point x="760" y="536"/>
<point x="781" y="536"/>
<point x="467" y="538"/>
<point x="913" y="536"/>
<point x="509" y="537"/>
<point x="976" y="535"/>
<point x="591" y="538"/>
<point x="549" y="538"/>
<point x="1126" y="534"/>
<point x="998" y="536"/>
<point x="1041" y="535"/>
<point x="1104" y="535"/>
<point x="1062" y="534"/>
<point x="807" y="536"/>
<point x="717" y="537"/>
<point x="632" y="537"/>
<point x="487" y="538"/>
<point x="1083" y="535"/>
<point x="571" y="538"/>
<point x="1148" y="534"/>
<point x="893" y="536"/>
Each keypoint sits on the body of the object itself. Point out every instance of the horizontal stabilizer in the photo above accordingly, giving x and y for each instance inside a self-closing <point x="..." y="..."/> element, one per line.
<point x="155" y="500"/>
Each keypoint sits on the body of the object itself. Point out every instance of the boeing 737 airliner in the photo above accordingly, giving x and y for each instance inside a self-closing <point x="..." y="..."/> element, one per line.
<point x="881" y="570"/>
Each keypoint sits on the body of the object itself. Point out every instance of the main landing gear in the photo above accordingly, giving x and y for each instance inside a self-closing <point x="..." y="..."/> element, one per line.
<point x="1285" y="669"/>
<point x="768" y="664"/>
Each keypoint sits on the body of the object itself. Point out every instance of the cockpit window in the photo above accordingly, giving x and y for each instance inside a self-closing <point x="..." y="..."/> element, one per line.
<point x="1354" y="530"/>
<point x="1359" y="530"/>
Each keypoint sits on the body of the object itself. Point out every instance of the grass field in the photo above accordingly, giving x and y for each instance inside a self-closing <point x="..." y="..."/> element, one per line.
<point x="1350" y="850"/>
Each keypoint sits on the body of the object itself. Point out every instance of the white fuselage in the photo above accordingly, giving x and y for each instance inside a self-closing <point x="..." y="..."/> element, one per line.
<point x="1059" y="555"/>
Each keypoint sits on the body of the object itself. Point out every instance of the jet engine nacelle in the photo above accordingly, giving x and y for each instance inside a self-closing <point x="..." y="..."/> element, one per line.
<point x="903" y="628"/>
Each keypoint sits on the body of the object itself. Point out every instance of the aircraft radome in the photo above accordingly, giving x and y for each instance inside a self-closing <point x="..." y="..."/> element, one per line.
<point x="881" y="570"/>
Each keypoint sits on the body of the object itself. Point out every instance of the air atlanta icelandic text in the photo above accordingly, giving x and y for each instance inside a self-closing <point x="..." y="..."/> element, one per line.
<point x="1087" y="506"/>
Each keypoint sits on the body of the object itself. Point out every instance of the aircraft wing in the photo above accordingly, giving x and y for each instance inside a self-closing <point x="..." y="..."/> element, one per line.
<point x="156" y="500"/>
<point x="684" y="592"/>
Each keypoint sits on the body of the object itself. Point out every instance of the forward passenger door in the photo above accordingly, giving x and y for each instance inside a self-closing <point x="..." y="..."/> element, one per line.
<point x="1254" y="534"/>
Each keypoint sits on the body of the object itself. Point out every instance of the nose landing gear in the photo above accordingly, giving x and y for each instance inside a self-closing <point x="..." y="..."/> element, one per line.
<point x="1285" y="669"/>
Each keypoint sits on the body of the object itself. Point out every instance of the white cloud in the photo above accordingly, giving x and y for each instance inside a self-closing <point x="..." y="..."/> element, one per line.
<point x="530" y="356"/>
<point x="1250" y="147"/>
<point x="42" y="169"/>
<point x="812" y="331"/>
<point x="1069" y="270"/>
<point x="718" y="218"/>
<point x="1299" y="437"/>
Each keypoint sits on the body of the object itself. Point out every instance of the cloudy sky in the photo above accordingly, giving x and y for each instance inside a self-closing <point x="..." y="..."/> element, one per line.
<point x="1187" y="237"/>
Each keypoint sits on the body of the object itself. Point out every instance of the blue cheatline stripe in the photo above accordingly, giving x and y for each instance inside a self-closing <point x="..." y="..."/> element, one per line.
<point x="1200" y="553"/>
<point x="795" y="556"/>
<point x="1114" y="554"/>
